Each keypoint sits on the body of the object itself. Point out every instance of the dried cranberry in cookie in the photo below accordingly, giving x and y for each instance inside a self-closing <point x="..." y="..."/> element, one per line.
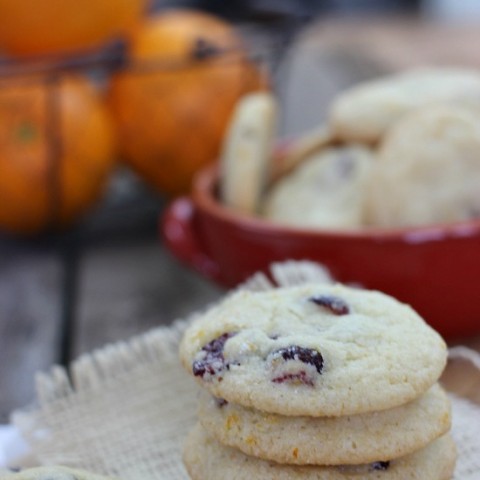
<point x="336" y="305"/>
<point x="295" y="364"/>
<point x="380" y="465"/>
<point x="364" y="469"/>
<point x="210" y="360"/>
<point x="348" y="351"/>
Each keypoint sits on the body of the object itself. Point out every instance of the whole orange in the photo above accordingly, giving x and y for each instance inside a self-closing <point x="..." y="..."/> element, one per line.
<point x="57" y="148"/>
<point x="186" y="72"/>
<point x="59" y="26"/>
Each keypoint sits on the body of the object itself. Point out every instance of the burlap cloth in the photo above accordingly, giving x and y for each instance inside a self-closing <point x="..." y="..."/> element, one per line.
<point x="125" y="409"/>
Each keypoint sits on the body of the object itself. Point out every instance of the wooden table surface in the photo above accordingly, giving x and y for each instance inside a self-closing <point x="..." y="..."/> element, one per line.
<point x="126" y="284"/>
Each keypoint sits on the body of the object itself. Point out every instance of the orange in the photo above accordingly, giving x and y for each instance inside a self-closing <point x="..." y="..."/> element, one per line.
<point x="59" y="26"/>
<point x="187" y="71"/>
<point x="57" y="148"/>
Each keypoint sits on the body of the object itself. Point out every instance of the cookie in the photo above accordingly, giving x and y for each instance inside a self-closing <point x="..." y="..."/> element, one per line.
<point x="327" y="190"/>
<point x="54" y="473"/>
<point x="364" y="113"/>
<point x="428" y="169"/>
<point x="349" y="440"/>
<point x="247" y="153"/>
<point x="314" y="349"/>
<point x="206" y="459"/>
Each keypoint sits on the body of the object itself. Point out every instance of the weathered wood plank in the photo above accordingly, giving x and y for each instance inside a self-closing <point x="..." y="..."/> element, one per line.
<point x="29" y="322"/>
<point x="127" y="289"/>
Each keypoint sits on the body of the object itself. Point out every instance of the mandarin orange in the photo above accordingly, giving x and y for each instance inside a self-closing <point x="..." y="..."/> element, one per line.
<point x="172" y="105"/>
<point x="63" y="26"/>
<point x="57" y="148"/>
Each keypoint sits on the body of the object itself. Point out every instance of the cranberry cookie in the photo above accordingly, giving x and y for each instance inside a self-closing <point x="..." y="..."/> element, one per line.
<point x="206" y="459"/>
<point x="349" y="440"/>
<point x="315" y="350"/>
<point x="327" y="190"/>
<point x="428" y="169"/>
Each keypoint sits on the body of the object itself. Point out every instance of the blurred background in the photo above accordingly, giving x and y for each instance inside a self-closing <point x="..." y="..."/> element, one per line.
<point x="82" y="261"/>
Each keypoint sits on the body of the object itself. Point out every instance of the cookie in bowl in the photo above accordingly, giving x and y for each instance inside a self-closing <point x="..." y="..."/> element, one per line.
<point x="367" y="111"/>
<point x="427" y="170"/>
<point x="406" y="223"/>
<point x="327" y="190"/>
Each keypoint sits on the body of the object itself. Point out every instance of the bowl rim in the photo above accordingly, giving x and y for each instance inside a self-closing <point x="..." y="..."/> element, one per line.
<point x="204" y="199"/>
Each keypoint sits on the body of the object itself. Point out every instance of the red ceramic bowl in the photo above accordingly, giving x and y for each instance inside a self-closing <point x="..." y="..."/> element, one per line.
<point x="436" y="269"/>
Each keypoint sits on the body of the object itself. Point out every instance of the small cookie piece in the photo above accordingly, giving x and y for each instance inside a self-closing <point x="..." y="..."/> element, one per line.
<point x="327" y="190"/>
<point x="314" y="349"/>
<point x="54" y="473"/>
<point x="247" y="152"/>
<point x="351" y="440"/>
<point x="206" y="459"/>
<point x="428" y="169"/>
<point x="364" y="113"/>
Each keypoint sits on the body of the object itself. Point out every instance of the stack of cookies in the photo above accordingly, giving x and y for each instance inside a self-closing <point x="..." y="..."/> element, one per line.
<point x="317" y="382"/>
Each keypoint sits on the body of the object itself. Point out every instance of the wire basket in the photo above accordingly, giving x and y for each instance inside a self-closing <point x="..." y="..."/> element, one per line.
<point x="266" y="48"/>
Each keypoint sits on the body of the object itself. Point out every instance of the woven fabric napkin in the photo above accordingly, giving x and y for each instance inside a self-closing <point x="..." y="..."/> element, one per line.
<point x="125" y="410"/>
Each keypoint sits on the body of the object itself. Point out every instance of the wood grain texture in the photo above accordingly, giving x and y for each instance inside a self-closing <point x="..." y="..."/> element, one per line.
<point x="128" y="289"/>
<point x="29" y="322"/>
